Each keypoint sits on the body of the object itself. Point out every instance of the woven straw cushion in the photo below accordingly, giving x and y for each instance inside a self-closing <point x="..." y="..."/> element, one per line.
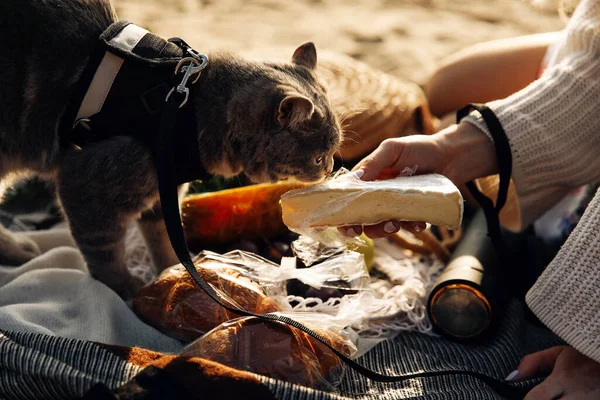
<point x="372" y="105"/>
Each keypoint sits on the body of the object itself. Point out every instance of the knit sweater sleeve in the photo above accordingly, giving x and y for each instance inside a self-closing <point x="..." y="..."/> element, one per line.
<point x="566" y="296"/>
<point x="553" y="125"/>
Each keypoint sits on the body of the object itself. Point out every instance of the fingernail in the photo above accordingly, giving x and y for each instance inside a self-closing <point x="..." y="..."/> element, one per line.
<point x="390" y="227"/>
<point x="418" y="228"/>
<point x="359" y="173"/>
<point x="351" y="232"/>
<point x="512" y="375"/>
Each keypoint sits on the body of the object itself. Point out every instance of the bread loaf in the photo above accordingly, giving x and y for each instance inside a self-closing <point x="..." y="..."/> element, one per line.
<point x="347" y="200"/>
<point x="221" y="217"/>
<point x="272" y="349"/>
<point x="174" y="304"/>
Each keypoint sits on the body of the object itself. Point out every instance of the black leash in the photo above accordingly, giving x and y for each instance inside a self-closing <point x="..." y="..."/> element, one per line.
<point x="168" y="181"/>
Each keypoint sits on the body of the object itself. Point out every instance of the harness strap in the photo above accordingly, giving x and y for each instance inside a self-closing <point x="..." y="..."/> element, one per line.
<point x="122" y="92"/>
<point x="65" y="128"/>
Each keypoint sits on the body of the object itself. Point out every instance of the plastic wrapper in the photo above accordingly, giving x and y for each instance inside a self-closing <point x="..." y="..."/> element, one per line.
<point x="344" y="270"/>
<point x="278" y="350"/>
<point x="309" y="251"/>
<point x="395" y="300"/>
<point x="175" y="304"/>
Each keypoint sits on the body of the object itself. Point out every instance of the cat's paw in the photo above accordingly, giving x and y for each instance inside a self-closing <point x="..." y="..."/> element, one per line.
<point x="17" y="250"/>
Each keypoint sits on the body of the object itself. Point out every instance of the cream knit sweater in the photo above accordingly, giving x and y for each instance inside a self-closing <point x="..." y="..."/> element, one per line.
<point x="553" y="127"/>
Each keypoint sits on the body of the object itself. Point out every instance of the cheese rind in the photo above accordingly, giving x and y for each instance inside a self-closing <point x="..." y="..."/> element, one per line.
<point x="346" y="200"/>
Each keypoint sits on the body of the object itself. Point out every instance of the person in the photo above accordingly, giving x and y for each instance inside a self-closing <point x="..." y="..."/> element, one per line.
<point x="552" y="122"/>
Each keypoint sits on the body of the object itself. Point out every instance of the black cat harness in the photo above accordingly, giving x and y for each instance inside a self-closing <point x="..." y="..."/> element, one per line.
<point x="137" y="84"/>
<point x="130" y="80"/>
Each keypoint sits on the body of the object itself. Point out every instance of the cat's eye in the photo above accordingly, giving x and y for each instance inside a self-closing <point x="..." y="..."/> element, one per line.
<point x="319" y="160"/>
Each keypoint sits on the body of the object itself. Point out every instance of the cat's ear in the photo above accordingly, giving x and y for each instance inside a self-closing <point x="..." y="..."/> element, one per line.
<point x="294" y="110"/>
<point x="306" y="55"/>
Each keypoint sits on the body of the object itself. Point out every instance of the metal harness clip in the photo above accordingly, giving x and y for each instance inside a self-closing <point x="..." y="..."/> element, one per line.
<point x="189" y="66"/>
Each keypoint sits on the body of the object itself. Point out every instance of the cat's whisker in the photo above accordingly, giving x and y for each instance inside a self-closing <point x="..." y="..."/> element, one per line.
<point x="351" y="131"/>
<point x="348" y="138"/>
<point x="344" y="116"/>
<point x="353" y="140"/>
<point x="349" y="114"/>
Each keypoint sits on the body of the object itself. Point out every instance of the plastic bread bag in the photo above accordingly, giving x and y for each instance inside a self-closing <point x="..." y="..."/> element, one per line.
<point x="250" y="265"/>
<point x="345" y="200"/>
<point x="174" y="304"/>
<point x="279" y="351"/>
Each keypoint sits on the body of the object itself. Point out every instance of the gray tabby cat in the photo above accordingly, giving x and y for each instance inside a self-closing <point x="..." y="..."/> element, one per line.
<point x="268" y="120"/>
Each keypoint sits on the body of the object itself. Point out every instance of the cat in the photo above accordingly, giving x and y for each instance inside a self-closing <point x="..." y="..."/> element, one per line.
<point x="269" y="120"/>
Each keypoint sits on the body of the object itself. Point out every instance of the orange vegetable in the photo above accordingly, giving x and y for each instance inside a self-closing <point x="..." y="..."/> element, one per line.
<point x="248" y="212"/>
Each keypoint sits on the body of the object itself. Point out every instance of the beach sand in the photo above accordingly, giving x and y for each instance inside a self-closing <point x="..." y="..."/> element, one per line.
<point x="406" y="38"/>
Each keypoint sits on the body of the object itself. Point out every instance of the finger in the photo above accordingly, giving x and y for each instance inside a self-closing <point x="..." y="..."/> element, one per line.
<point x="537" y="364"/>
<point x="381" y="230"/>
<point x="413" y="226"/>
<point x="547" y="390"/>
<point x="386" y="155"/>
<point x="351" y="231"/>
<point x="387" y="173"/>
<point x="387" y="228"/>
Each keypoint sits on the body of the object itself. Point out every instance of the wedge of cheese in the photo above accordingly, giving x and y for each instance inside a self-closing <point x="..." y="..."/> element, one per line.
<point x="347" y="200"/>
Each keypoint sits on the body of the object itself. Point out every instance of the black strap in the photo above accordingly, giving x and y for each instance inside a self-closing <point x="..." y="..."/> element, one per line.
<point x="504" y="160"/>
<point x="167" y="183"/>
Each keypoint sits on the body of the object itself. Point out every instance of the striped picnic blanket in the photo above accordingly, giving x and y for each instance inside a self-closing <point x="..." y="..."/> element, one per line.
<point x="39" y="366"/>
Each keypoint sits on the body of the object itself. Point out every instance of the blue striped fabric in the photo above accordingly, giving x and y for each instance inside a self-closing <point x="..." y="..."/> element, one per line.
<point x="36" y="366"/>
<point x="414" y="352"/>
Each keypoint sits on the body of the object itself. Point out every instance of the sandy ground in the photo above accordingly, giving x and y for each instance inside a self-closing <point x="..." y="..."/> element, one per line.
<point x="406" y="38"/>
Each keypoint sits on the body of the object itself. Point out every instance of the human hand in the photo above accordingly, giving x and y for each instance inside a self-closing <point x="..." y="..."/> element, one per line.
<point x="426" y="153"/>
<point x="571" y="375"/>
<point x="460" y="152"/>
